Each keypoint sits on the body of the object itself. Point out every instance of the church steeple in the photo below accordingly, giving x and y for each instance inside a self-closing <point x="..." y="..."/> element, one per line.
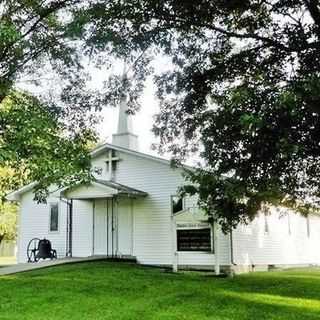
<point x="125" y="136"/>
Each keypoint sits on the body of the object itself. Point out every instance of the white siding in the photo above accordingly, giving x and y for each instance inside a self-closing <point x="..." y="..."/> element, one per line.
<point x="34" y="223"/>
<point x="151" y="218"/>
<point x="253" y="246"/>
<point x="152" y="236"/>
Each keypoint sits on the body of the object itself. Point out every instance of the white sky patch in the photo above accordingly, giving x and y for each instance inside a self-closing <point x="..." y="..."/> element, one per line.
<point x="108" y="118"/>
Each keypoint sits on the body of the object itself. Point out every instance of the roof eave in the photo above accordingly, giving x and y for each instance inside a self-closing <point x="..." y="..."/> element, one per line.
<point x="95" y="152"/>
<point x="16" y="195"/>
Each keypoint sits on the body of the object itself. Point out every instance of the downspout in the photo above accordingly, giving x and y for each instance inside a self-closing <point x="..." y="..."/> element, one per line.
<point x="67" y="223"/>
<point x="112" y="227"/>
<point x="68" y="227"/>
<point x="174" y="244"/>
<point x="93" y="224"/>
<point x="108" y="227"/>
<point x="132" y="226"/>
<point x="231" y="249"/>
<point x="216" y="249"/>
<point x="117" y="226"/>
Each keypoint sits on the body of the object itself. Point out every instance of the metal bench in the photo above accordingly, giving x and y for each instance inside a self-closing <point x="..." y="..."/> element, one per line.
<point x="40" y="249"/>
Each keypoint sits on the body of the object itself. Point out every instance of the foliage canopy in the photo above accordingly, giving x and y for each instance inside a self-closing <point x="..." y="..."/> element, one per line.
<point x="45" y="136"/>
<point x="243" y="89"/>
<point x="244" y="86"/>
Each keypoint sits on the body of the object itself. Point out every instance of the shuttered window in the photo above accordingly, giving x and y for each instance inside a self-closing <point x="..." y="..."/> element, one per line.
<point x="54" y="217"/>
<point x="194" y="240"/>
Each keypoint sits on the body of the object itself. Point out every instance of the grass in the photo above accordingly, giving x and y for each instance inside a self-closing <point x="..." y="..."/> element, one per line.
<point x="105" y="290"/>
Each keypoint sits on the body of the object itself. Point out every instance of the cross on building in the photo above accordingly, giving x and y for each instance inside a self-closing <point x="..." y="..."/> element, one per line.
<point x="111" y="163"/>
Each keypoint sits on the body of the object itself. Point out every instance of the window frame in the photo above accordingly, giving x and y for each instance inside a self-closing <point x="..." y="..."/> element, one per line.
<point x="211" y="240"/>
<point x="171" y="204"/>
<point x="51" y="204"/>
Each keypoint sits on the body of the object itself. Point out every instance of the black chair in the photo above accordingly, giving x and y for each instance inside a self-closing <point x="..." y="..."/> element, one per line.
<point x="40" y="249"/>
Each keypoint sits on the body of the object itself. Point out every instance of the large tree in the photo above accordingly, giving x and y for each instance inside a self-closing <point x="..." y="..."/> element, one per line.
<point x="243" y="91"/>
<point x="44" y="135"/>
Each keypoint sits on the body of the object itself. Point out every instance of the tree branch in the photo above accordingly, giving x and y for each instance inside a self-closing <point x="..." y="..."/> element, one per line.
<point x="233" y="34"/>
<point x="313" y="8"/>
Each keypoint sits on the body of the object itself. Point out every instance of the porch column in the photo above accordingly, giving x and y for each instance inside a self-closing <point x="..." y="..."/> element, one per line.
<point x="216" y="248"/>
<point x="174" y="244"/>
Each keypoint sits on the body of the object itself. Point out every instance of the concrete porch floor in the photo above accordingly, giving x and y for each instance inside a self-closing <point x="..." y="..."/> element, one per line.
<point x="23" y="267"/>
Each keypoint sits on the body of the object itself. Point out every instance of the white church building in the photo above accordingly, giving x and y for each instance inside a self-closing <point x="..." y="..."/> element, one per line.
<point x="132" y="211"/>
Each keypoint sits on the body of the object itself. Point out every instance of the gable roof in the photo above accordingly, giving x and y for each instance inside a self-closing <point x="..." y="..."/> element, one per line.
<point x="100" y="149"/>
<point x="15" y="195"/>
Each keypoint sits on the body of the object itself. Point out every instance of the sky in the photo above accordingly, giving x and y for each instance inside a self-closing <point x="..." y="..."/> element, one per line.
<point x="142" y="121"/>
<point x="108" y="118"/>
<point x="144" y="118"/>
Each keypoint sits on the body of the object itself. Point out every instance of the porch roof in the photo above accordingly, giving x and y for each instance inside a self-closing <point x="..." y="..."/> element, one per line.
<point x="122" y="188"/>
<point x="100" y="189"/>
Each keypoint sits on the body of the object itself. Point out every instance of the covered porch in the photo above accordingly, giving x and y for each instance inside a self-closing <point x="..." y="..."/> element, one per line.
<point x="100" y="219"/>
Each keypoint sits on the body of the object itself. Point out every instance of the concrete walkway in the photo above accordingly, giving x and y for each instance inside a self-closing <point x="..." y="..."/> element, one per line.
<point x="23" y="267"/>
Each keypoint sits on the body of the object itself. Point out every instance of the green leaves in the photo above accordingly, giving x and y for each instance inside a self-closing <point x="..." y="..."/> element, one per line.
<point x="44" y="137"/>
<point x="8" y="221"/>
<point x="33" y="139"/>
<point x="242" y="89"/>
<point x="8" y="211"/>
<point x="8" y="33"/>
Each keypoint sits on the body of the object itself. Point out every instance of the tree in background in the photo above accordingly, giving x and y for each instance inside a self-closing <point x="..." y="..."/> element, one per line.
<point x="45" y="136"/>
<point x="243" y="90"/>
<point x="8" y="211"/>
<point x="8" y="221"/>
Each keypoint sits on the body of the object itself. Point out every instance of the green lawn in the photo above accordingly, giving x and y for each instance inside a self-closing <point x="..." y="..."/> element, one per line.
<point x="105" y="290"/>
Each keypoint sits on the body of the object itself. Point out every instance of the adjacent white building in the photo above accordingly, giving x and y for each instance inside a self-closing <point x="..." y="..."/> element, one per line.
<point x="131" y="211"/>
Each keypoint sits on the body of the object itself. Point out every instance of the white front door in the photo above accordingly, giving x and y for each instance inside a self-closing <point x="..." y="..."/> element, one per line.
<point x="100" y="227"/>
<point x="125" y="221"/>
<point x="113" y="227"/>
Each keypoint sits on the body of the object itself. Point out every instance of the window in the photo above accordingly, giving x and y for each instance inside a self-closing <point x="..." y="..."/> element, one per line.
<point x="177" y="204"/>
<point x="113" y="168"/>
<point x="194" y="239"/>
<point x="54" y="217"/>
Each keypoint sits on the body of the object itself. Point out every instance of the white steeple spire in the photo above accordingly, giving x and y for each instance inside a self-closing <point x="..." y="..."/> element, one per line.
<point x="124" y="136"/>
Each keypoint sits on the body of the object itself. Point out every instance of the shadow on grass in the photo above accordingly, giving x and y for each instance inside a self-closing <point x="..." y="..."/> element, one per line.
<point x="111" y="291"/>
<point x="304" y="285"/>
